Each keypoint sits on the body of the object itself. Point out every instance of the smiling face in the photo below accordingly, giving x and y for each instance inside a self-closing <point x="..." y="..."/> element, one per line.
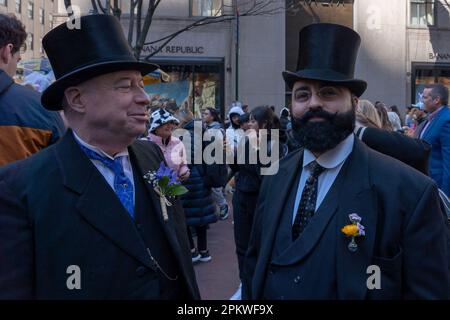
<point x="322" y="114"/>
<point x="112" y="106"/>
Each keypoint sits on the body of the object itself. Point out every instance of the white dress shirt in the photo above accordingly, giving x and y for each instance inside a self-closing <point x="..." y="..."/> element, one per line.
<point x="332" y="160"/>
<point x="107" y="173"/>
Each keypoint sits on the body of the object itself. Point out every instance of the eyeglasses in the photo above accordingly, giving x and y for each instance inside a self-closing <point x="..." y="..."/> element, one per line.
<point x="328" y="93"/>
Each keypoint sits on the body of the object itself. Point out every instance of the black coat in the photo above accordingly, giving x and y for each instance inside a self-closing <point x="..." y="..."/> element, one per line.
<point x="413" y="152"/>
<point x="197" y="203"/>
<point x="57" y="210"/>
<point x="406" y="232"/>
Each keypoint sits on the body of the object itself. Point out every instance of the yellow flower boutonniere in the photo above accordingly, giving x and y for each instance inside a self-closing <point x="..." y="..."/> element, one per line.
<point x="356" y="229"/>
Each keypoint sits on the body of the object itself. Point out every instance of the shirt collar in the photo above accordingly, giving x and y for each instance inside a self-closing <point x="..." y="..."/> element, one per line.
<point x="331" y="158"/>
<point x="98" y="150"/>
<point x="433" y="114"/>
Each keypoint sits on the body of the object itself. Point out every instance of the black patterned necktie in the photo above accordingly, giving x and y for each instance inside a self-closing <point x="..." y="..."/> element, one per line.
<point x="307" y="204"/>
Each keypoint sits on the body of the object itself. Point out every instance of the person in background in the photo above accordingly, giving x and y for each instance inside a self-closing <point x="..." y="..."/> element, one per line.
<point x="198" y="203"/>
<point x="244" y="121"/>
<point x="382" y="113"/>
<point x="248" y="178"/>
<point x="395" y="109"/>
<point x="436" y="131"/>
<point x="233" y="132"/>
<point x="211" y="120"/>
<point x="25" y="126"/>
<point x="409" y="117"/>
<point x="367" y="115"/>
<point x="162" y="123"/>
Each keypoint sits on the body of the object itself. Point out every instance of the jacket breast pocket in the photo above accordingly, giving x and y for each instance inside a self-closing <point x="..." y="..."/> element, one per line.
<point x="389" y="277"/>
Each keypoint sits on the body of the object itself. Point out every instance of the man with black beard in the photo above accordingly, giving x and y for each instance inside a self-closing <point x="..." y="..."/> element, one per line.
<point x="340" y="220"/>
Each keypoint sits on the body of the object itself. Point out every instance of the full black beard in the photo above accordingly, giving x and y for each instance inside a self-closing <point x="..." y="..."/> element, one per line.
<point x="323" y="135"/>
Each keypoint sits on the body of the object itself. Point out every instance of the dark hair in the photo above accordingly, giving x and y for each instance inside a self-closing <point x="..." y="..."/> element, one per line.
<point x="244" y="118"/>
<point x="214" y="113"/>
<point x="12" y="31"/>
<point x="438" y="90"/>
<point x="265" y="116"/>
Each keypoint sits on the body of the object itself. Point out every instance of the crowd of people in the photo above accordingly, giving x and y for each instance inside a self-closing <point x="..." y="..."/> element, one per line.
<point x="358" y="184"/>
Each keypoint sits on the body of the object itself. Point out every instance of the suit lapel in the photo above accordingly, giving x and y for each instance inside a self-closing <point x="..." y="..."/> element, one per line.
<point x="359" y="197"/>
<point x="97" y="202"/>
<point x="283" y="183"/>
<point x="419" y="129"/>
<point x="313" y="232"/>
<point x="145" y="162"/>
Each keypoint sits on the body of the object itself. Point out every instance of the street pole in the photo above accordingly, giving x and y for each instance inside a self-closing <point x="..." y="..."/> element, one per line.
<point x="237" y="53"/>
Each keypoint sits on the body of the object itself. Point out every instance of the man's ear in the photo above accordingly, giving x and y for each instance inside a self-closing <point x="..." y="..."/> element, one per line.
<point x="355" y="100"/>
<point x="73" y="98"/>
<point x="6" y="53"/>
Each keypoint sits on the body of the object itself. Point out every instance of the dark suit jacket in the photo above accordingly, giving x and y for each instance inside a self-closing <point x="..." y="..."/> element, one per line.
<point x="406" y="233"/>
<point x="56" y="210"/>
<point x="413" y="152"/>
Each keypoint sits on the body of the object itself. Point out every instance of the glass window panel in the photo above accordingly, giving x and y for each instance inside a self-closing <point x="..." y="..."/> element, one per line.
<point x="192" y="87"/>
<point x="206" y="8"/>
<point x="425" y="76"/>
<point x="430" y="12"/>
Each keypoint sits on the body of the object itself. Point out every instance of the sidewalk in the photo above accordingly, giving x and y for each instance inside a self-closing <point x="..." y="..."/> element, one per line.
<point x="219" y="278"/>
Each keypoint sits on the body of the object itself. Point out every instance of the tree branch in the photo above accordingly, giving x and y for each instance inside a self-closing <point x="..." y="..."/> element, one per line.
<point x="131" y="23"/>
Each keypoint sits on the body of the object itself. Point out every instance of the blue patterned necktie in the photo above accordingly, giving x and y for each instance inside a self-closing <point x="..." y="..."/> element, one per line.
<point x="122" y="185"/>
<point x="307" y="205"/>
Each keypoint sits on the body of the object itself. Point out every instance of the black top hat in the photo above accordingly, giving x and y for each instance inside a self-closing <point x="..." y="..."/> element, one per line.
<point x="327" y="52"/>
<point x="76" y="55"/>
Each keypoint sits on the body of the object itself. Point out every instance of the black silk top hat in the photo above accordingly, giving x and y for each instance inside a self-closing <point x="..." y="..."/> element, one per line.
<point x="327" y="52"/>
<point x="76" y="55"/>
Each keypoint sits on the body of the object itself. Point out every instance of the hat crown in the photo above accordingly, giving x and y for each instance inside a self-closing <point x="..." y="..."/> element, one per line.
<point x="99" y="39"/>
<point x="327" y="46"/>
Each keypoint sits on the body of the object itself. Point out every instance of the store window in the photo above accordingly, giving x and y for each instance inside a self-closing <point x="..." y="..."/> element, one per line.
<point x="206" y="8"/>
<point x="422" y="13"/>
<point x="30" y="10"/>
<point x="18" y="6"/>
<point x="30" y="41"/>
<point x="188" y="86"/>
<point x="41" y="16"/>
<point x="425" y="74"/>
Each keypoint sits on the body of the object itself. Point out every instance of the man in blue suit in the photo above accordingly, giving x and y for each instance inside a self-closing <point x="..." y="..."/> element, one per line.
<point x="436" y="131"/>
<point x="340" y="220"/>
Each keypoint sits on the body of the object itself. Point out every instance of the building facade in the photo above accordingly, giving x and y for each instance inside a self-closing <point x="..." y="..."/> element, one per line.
<point x="218" y="63"/>
<point x="37" y="16"/>
<point x="405" y="44"/>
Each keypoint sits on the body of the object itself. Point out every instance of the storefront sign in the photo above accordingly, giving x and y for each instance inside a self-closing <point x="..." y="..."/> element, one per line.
<point x="439" y="55"/>
<point x="175" y="49"/>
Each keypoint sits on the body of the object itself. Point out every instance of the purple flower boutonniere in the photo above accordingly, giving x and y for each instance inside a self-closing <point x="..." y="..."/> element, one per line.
<point x="166" y="184"/>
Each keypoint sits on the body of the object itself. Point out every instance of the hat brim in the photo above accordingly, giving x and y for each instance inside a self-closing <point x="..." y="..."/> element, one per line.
<point x="356" y="86"/>
<point x="52" y="97"/>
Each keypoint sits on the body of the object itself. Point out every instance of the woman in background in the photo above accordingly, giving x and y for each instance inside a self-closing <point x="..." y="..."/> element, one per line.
<point x="198" y="204"/>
